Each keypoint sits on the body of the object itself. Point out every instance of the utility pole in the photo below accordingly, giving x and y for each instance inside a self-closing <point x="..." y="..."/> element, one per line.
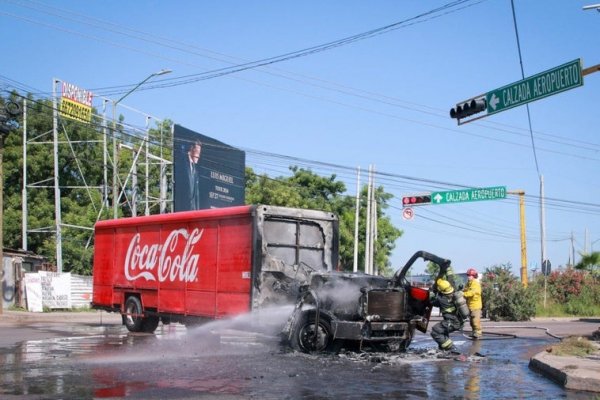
<point x="356" y="218"/>
<point x="57" y="206"/>
<point x="368" y="224"/>
<point x="521" y="193"/>
<point x="24" y="215"/>
<point x="572" y="249"/>
<point x="542" y="220"/>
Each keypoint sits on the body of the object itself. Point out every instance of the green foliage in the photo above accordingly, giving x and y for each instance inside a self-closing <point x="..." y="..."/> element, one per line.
<point x="305" y="189"/>
<point x="590" y="262"/>
<point x="563" y="286"/>
<point x="81" y="165"/>
<point x="504" y="297"/>
<point x="570" y="292"/>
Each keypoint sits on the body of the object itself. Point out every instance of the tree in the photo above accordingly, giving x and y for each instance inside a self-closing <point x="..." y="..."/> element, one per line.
<point x="81" y="178"/>
<point x="589" y="262"/>
<point x="79" y="162"/>
<point x="305" y="189"/>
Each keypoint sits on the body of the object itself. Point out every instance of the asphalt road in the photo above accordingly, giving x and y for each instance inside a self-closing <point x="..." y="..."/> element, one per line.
<point x="91" y="355"/>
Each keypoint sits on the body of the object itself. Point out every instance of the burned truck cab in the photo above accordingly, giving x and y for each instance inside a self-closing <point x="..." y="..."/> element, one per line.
<point x="337" y="309"/>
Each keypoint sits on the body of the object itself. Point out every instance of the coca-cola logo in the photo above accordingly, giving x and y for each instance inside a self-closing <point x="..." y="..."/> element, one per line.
<point x="161" y="261"/>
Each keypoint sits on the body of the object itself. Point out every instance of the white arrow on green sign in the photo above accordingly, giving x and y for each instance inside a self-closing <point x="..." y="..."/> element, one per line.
<point x="544" y="84"/>
<point x="473" y="194"/>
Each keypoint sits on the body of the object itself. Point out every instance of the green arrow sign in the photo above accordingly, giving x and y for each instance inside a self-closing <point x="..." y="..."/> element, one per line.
<point x="544" y="84"/>
<point x="474" y="194"/>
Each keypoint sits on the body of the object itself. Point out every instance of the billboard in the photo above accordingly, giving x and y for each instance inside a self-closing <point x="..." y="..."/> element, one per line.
<point x="208" y="173"/>
<point x="76" y="103"/>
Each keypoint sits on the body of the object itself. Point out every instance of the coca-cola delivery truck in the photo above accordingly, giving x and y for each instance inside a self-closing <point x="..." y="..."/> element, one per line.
<point x="197" y="266"/>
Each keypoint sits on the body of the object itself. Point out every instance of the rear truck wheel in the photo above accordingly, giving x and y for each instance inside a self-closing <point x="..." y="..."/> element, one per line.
<point x="149" y="324"/>
<point x="308" y="337"/>
<point x="133" y="317"/>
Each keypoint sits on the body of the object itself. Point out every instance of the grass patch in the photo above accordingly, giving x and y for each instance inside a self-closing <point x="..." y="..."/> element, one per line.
<point x="551" y="310"/>
<point x="573" y="346"/>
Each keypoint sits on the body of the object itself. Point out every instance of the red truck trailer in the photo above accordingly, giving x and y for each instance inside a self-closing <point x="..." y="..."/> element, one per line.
<point x="208" y="264"/>
<point x="197" y="266"/>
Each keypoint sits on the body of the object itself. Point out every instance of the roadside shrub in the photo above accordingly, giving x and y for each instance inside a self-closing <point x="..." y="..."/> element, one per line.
<point x="504" y="297"/>
<point x="587" y="304"/>
<point x="569" y="292"/>
<point x="562" y="286"/>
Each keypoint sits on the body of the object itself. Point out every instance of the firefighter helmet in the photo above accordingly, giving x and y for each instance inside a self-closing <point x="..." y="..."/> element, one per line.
<point x="472" y="272"/>
<point x="444" y="286"/>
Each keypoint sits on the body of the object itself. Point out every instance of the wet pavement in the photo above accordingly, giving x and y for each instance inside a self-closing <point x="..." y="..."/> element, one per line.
<point x="225" y="360"/>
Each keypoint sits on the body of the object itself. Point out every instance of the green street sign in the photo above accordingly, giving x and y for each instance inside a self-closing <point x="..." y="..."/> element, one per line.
<point x="544" y="84"/>
<point x="474" y="194"/>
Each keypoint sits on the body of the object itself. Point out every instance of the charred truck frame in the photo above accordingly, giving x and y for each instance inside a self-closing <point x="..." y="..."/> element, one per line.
<point x="197" y="266"/>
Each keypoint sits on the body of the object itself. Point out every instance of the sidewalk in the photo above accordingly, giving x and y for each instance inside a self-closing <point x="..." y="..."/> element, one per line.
<point x="571" y="372"/>
<point x="92" y="316"/>
<point x="578" y="373"/>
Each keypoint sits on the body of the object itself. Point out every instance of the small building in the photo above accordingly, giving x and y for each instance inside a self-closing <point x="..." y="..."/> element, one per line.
<point x="15" y="264"/>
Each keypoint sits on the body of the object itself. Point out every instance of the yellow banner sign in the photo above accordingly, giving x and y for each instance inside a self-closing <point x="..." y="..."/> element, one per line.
<point x="76" y="103"/>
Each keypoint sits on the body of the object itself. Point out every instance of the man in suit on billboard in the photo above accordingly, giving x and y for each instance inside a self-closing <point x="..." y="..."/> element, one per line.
<point x="187" y="185"/>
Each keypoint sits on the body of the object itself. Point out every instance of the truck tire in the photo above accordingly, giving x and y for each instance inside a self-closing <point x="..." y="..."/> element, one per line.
<point x="133" y="318"/>
<point x="149" y="324"/>
<point x="303" y="334"/>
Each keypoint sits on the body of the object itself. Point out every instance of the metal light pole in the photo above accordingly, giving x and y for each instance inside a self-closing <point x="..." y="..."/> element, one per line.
<point x="592" y="7"/>
<point x="115" y="195"/>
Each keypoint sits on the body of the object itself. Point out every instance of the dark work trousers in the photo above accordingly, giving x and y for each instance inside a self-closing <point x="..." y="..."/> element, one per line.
<point x="442" y="330"/>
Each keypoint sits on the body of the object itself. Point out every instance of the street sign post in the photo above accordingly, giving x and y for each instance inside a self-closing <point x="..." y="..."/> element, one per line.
<point x="544" y="84"/>
<point x="465" y="195"/>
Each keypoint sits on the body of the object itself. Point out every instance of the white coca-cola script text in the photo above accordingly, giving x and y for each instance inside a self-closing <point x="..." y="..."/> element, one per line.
<point x="168" y="261"/>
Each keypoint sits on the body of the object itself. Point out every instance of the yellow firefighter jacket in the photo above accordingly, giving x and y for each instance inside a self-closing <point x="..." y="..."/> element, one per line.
<point x="472" y="294"/>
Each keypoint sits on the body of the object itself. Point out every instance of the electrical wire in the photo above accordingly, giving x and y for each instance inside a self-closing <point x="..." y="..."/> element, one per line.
<point x="537" y="167"/>
<point x="348" y="172"/>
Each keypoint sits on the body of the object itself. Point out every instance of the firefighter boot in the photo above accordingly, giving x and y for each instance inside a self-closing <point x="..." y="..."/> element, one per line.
<point x="449" y="347"/>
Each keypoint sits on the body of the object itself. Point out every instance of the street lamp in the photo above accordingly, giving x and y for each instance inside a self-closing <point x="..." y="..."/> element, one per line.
<point x="115" y="195"/>
<point x="592" y="7"/>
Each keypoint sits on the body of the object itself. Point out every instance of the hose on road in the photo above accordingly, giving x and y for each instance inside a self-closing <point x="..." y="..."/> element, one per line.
<point x="497" y="336"/>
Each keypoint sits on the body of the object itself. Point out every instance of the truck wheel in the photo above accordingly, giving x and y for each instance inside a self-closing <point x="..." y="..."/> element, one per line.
<point x="303" y="335"/>
<point x="133" y="314"/>
<point x="149" y="324"/>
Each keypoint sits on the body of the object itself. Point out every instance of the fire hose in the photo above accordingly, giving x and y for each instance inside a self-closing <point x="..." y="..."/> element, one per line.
<point x="498" y="336"/>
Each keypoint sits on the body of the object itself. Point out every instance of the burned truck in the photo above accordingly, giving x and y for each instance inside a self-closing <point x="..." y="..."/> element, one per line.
<point x="336" y="308"/>
<point x="198" y="266"/>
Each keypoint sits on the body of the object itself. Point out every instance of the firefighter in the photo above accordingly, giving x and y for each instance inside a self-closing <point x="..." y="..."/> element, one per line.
<point x="472" y="294"/>
<point x="452" y="321"/>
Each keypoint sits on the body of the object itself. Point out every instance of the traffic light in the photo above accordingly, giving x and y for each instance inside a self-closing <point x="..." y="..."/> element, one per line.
<point x="8" y="113"/>
<point x="468" y="108"/>
<point x="419" y="200"/>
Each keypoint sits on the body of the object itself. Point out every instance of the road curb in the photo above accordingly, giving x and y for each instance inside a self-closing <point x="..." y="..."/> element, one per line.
<point x="9" y="316"/>
<point x="577" y="373"/>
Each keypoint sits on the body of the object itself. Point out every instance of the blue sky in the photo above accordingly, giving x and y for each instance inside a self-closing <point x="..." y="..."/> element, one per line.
<point x="383" y="100"/>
